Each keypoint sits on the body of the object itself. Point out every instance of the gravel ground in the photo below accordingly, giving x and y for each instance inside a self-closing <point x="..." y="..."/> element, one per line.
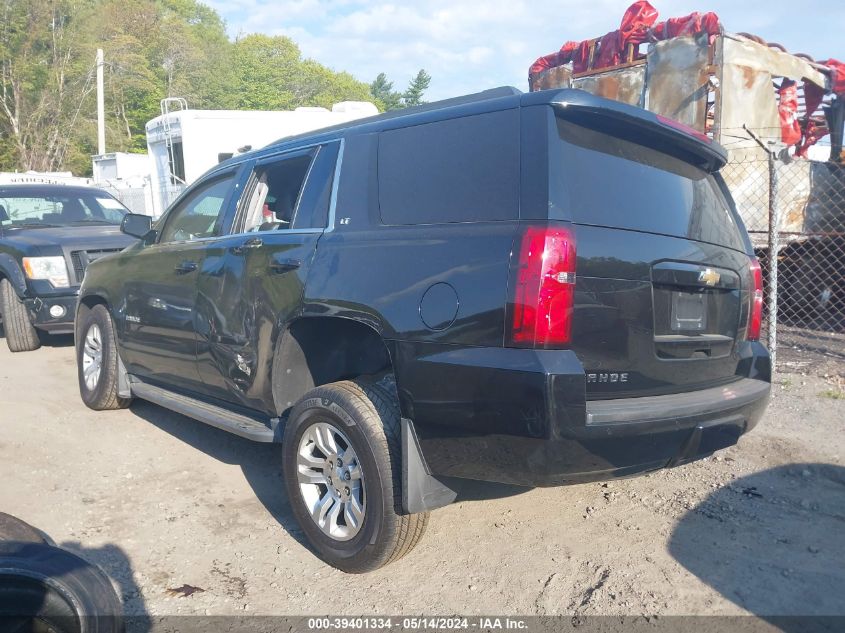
<point x="160" y="501"/>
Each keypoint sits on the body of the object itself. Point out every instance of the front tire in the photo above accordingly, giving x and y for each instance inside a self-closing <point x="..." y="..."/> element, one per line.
<point x="20" y="333"/>
<point x="97" y="361"/>
<point x="343" y="475"/>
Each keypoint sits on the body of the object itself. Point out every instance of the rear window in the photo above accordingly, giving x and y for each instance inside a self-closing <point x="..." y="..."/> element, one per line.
<point x="459" y="170"/>
<point x="606" y="181"/>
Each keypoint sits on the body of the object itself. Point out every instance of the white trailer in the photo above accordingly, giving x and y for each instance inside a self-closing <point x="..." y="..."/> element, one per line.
<point x="183" y="144"/>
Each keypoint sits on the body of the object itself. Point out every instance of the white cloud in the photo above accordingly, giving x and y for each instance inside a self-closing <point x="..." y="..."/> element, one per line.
<point x="469" y="45"/>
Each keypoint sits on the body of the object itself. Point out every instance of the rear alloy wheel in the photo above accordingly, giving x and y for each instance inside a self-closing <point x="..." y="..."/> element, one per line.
<point x="330" y="481"/>
<point x="21" y="336"/>
<point x="342" y="462"/>
<point x="97" y="361"/>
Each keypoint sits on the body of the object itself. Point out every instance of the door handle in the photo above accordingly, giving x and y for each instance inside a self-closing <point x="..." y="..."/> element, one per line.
<point x="185" y="267"/>
<point x="253" y="242"/>
<point x="282" y="266"/>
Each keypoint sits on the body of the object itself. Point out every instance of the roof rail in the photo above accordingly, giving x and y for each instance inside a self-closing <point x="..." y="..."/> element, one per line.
<point x="484" y="95"/>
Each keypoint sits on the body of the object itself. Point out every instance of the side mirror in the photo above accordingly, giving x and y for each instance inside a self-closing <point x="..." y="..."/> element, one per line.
<point x="136" y="224"/>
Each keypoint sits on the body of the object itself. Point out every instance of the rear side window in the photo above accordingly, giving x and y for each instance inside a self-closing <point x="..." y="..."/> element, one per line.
<point x="607" y="181"/>
<point x="459" y="170"/>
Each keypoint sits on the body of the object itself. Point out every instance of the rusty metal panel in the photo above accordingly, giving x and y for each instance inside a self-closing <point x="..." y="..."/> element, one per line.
<point x="793" y="196"/>
<point x="559" y="77"/>
<point x="741" y="51"/>
<point x="622" y="84"/>
<point x="747" y="176"/>
<point x="678" y="80"/>
<point x="747" y="100"/>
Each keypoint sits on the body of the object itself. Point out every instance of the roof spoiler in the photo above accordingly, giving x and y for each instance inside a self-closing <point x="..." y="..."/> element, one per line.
<point x="640" y="126"/>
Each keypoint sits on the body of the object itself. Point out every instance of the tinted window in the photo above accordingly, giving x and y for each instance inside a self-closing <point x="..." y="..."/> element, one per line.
<point x="276" y="194"/>
<point x="198" y="214"/>
<point x="607" y="181"/>
<point x="460" y="170"/>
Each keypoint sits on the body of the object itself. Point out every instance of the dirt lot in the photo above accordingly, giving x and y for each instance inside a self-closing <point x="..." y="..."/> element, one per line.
<point x="160" y="501"/>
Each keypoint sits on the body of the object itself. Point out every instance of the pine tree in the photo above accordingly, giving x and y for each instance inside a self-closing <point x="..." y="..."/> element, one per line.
<point x="382" y="91"/>
<point x="414" y="94"/>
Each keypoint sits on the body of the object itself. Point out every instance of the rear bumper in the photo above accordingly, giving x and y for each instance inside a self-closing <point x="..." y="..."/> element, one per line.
<point x="520" y="417"/>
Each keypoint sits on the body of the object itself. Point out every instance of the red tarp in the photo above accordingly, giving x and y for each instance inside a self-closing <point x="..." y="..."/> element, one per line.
<point x="638" y="25"/>
<point x="636" y="22"/>
<point x="837" y="76"/>
<point x="813" y="133"/>
<point x="691" y="24"/>
<point x="790" y="129"/>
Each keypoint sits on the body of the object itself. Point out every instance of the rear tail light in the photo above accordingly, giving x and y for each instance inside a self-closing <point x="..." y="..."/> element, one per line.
<point x="755" y="316"/>
<point x="542" y="288"/>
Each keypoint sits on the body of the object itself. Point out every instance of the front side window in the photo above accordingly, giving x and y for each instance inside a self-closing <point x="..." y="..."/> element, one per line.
<point x="200" y="214"/>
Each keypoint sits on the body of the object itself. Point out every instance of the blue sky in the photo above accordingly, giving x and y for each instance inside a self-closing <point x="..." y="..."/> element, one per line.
<point x="472" y="45"/>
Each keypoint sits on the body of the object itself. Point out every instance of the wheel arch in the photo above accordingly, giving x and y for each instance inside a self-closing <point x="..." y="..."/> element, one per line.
<point x="90" y="300"/>
<point x="318" y="350"/>
<point x="9" y="269"/>
<point x="314" y="351"/>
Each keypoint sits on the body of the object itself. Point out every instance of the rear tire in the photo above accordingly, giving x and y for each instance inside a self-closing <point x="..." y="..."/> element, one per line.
<point x="20" y="333"/>
<point x="366" y="419"/>
<point x="97" y="361"/>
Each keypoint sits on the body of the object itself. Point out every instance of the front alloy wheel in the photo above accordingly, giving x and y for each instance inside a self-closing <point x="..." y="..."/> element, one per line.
<point x="92" y="357"/>
<point x="330" y="481"/>
<point x="97" y="361"/>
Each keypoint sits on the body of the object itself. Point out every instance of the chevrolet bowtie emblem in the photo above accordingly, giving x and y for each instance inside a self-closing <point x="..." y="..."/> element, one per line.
<point x="709" y="277"/>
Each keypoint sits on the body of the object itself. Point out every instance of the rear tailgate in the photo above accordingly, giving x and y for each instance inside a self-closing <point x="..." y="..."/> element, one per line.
<point x="663" y="274"/>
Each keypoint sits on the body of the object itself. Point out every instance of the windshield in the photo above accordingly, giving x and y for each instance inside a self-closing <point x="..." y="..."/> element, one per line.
<point x="77" y="208"/>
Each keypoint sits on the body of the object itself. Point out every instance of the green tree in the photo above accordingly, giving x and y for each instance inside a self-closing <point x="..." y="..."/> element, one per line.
<point x="153" y="49"/>
<point x="44" y="78"/>
<point x="416" y="89"/>
<point x="195" y="54"/>
<point x="382" y="91"/>
<point x="271" y="75"/>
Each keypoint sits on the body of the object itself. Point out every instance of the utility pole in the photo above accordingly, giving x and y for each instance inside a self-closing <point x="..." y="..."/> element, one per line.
<point x="101" y="108"/>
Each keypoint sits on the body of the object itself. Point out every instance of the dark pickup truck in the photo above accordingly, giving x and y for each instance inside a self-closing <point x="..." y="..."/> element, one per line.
<point x="535" y="289"/>
<point x="48" y="236"/>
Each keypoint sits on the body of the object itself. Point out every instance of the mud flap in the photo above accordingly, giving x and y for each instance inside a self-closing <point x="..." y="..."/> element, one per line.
<point x="123" y="388"/>
<point x="421" y="491"/>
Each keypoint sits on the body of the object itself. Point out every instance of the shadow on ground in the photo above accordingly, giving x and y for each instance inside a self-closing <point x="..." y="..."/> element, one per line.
<point x="47" y="340"/>
<point x="56" y="340"/>
<point x="260" y="463"/>
<point x="116" y="564"/>
<point x="35" y="570"/>
<point x="772" y="543"/>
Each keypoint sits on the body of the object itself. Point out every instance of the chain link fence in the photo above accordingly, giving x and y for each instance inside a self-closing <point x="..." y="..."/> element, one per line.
<point x="145" y="199"/>
<point x="794" y="210"/>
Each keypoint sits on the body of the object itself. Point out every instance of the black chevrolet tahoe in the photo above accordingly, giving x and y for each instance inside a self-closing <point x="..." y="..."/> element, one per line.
<point x="48" y="236"/>
<point x="536" y="289"/>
